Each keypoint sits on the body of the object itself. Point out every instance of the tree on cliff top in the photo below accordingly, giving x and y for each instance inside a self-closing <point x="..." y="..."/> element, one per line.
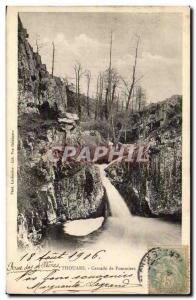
<point x="78" y="75"/>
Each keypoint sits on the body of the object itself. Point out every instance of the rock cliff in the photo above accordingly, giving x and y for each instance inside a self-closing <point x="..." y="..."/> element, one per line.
<point x="38" y="91"/>
<point x="48" y="191"/>
<point x="153" y="188"/>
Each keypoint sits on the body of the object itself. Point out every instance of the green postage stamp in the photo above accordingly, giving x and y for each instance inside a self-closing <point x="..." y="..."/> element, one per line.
<point x="168" y="270"/>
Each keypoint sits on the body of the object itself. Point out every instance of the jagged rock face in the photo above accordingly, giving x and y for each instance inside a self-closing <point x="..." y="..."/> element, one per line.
<point x="164" y="184"/>
<point x="38" y="91"/>
<point x="154" y="188"/>
<point x="80" y="191"/>
<point x="151" y="189"/>
<point x="156" y="118"/>
<point x="48" y="190"/>
<point x="53" y="189"/>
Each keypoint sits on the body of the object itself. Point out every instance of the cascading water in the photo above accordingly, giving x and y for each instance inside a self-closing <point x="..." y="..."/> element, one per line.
<point x="136" y="229"/>
<point x="118" y="206"/>
<point x="121" y="228"/>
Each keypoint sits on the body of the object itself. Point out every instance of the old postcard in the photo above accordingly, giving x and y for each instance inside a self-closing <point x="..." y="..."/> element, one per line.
<point x="98" y="150"/>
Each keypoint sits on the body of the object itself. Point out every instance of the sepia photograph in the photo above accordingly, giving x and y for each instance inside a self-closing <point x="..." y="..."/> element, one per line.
<point x="97" y="145"/>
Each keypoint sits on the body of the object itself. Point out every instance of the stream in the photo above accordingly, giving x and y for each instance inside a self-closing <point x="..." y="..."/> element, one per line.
<point x="120" y="227"/>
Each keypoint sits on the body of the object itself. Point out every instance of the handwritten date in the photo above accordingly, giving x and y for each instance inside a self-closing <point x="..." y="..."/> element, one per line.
<point x="76" y="255"/>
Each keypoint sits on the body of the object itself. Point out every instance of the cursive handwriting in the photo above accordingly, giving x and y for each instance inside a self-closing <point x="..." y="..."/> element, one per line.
<point x="59" y="272"/>
<point x="54" y="281"/>
<point x="76" y="255"/>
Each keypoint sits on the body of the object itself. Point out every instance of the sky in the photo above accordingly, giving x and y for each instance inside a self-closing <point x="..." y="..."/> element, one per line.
<point x="85" y="37"/>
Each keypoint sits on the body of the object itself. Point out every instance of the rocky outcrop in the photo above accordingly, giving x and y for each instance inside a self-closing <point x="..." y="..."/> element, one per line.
<point x="154" y="188"/>
<point x="164" y="118"/>
<point x="49" y="190"/>
<point x="53" y="190"/>
<point x="80" y="192"/>
<point x="38" y="91"/>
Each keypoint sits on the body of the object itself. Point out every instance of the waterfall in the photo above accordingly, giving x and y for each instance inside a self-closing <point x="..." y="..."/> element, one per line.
<point x="117" y="204"/>
<point x="133" y="231"/>
<point x="139" y="230"/>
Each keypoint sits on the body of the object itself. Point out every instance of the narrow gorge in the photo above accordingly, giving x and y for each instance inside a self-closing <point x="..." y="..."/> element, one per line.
<point x="54" y="193"/>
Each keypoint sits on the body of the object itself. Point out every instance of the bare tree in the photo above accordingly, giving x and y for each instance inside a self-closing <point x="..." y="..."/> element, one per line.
<point x="100" y="84"/>
<point x="140" y="98"/>
<point x="108" y="79"/>
<point x="133" y="75"/>
<point x="114" y="82"/>
<point x="110" y="71"/>
<point x="97" y="99"/>
<point x="111" y="80"/>
<point x="130" y="89"/>
<point x="53" y="53"/>
<point x="123" y="100"/>
<point x="38" y="44"/>
<point x="117" y="102"/>
<point x="106" y="104"/>
<point x="88" y="76"/>
<point x="100" y="95"/>
<point x="78" y="75"/>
